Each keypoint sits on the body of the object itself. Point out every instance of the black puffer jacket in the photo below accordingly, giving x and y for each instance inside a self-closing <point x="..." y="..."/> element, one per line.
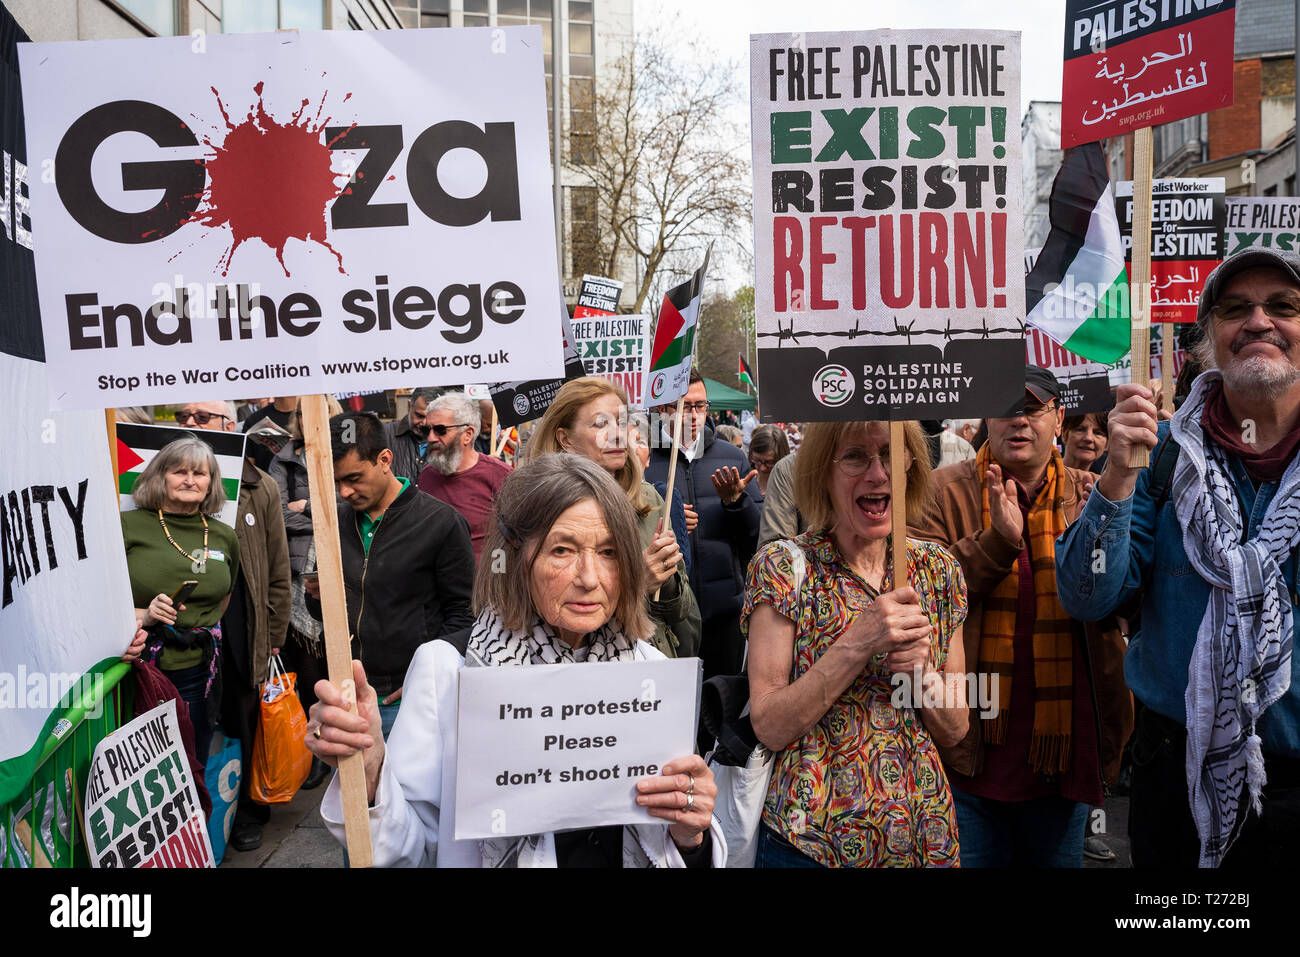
<point x="414" y="587"/>
<point x="724" y="541"/>
<point x="405" y="444"/>
<point x="289" y="469"/>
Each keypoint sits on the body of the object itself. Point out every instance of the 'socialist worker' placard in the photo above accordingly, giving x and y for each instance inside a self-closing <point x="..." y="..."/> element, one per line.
<point x="314" y="211"/>
<point x="558" y="747"/>
<point x="1188" y="217"/>
<point x="887" y="225"/>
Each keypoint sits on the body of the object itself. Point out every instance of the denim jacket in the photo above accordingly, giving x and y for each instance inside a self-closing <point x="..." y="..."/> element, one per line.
<point x="1143" y="552"/>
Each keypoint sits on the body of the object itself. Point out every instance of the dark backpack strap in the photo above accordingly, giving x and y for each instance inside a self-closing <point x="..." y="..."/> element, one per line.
<point x="1162" y="472"/>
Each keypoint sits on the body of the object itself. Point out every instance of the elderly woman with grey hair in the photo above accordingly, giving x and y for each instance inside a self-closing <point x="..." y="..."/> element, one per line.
<point x="572" y="592"/>
<point x="182" y="566"/>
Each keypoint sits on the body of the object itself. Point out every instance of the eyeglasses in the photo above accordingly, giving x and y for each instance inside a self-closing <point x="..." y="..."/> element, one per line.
<point x="695" y="407"/>
<point x="1233" y="309"/>
<point x="200" y="418"/>
<point x="856" y="462"/>
<point x="762" y="464"/>
<point x="1037" y="411"/>
<point x="441" y="430"/>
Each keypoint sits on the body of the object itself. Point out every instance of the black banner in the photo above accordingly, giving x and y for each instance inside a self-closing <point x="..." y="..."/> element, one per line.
<point x="20" y="316"/>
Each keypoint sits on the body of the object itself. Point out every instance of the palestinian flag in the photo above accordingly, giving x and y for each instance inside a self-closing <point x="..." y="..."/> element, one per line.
<point x="668" y="375"/>
<point x="1077" y="292"/>
<point x="745" y="374"/>
<point x="138" y="444"/>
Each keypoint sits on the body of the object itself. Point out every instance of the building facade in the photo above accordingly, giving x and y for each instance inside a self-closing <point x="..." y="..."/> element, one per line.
<point x="1250" y="143"/>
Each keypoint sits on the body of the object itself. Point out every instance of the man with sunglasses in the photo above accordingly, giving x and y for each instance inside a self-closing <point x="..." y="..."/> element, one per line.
<point x="715" y="479"/>
<point x="457" y="473"/>
<point x="1051" y="711"/>
<point x="1204" y="542"/>
<point x="408" y="437"/>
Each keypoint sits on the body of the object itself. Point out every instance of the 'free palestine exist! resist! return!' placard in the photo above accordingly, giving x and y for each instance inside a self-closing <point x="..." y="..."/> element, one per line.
<point x="558" y="747"/>
<point x="887" y="226"/>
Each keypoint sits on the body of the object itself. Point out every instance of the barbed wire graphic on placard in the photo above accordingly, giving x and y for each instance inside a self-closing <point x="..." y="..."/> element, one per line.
<point x="782" y="335"/>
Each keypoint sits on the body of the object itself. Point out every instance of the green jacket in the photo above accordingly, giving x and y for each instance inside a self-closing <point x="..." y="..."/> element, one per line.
<point x="676" y="616"/>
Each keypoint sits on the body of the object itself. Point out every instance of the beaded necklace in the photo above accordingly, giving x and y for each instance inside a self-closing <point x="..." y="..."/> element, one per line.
<point x="187" y="555"/>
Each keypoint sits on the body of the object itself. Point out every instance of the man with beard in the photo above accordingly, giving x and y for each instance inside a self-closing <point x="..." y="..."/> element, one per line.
<point x="408" y="437"/>
<point x="457" y="473"/>
<point x="1206" y="539"/>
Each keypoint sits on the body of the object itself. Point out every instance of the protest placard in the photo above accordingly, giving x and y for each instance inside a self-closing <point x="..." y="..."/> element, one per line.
<point x="1263" y="222"/>
<point x="331" y="210"/>
<point x="557" y="747"/>
<point x="519" y="402"/>
<point x="65" y="598"/>
<point x="142" y="809"/>
<point x="597" y="296"/>
<point x="887" y="224"/>
<point x="1188" y="219"/>
<point x="1136" y="63"/>
<point x="138" y="444"/>
<point x="614" y="348"/>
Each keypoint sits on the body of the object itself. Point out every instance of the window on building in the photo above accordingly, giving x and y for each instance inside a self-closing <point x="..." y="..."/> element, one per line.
<point x="584" y="241"/>
<point x="1270" y="190"/>
<point x="158" y="15"/>
<point x="258" y="16"/>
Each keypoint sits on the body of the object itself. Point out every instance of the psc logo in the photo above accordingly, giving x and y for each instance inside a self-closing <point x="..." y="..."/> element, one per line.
<point x="657" y="383"/>
<point x="521" y="404"/>
<point x="833" y="385"/>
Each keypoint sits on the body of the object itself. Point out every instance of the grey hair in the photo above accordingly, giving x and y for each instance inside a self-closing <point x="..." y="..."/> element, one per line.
<point x="134" y="415"/>
<point x="462" y="408"/>
<point x="956" y="425"/>
<point x="729" y="433"/>
<point x="150" y="491"/>
<point x="530" y="501"/>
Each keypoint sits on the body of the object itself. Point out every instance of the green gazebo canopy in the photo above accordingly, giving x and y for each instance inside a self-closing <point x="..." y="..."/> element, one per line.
<point x="725" y="397"/>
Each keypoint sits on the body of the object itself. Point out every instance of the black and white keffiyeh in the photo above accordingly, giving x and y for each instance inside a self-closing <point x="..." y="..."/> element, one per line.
<point x="1242" y="660"/>
<point x="491" y="644"/>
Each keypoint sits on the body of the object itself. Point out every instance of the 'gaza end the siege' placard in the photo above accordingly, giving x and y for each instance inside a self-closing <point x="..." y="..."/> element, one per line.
<point x="298" y="212"/>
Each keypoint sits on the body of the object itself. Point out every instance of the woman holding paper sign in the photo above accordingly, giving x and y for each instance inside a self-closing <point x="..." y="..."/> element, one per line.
<point x="572" y="591"/>
<point x="588" y="417"/>
<point x="836" y="645"/>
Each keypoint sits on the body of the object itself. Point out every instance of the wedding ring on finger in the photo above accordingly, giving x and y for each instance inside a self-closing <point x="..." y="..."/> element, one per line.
<point x="690" y="802"/>
<point x="316" y="732"/>
<point x="691" y="788"/>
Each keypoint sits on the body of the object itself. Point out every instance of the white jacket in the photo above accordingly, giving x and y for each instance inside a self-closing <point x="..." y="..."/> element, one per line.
<point x="408" y="824"/>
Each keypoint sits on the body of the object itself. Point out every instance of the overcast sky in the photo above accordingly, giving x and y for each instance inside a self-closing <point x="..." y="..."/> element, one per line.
<point x="727" y="24"/>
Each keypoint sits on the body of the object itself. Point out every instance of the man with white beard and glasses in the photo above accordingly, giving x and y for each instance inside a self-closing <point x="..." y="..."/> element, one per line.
<point x="1204" y="543"/>
<point x="457" y="474"/>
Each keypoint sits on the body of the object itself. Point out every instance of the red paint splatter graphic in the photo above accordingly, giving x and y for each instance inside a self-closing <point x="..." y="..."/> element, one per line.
<point x="270" y="181"/>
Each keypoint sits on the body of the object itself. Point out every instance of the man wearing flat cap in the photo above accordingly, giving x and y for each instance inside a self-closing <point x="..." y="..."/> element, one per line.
<point x="1204" y="541"/>
<point x="1052" y="711"/>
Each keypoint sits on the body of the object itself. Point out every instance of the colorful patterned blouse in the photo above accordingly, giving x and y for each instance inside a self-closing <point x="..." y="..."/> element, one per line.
<point x="864" y="787"/>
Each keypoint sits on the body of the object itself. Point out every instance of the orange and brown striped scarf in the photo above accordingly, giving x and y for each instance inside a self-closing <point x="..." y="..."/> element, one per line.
<point x="1049" y="746"/>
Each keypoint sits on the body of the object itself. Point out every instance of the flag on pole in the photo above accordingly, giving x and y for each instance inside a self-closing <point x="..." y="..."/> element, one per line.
<point x="138" y="444"/>
<point x="746" y="375"/>
<point x="674" y="338"/>
<point x="1077" y="292"/>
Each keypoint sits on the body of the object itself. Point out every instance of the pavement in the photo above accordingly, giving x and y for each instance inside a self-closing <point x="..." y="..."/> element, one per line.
<point x="296" y="836"/>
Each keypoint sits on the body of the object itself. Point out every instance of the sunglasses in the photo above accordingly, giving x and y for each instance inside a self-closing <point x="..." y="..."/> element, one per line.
<point x="200" y="418"/>
<point x="1232" y="309"/>
<point x="441" y="430"/>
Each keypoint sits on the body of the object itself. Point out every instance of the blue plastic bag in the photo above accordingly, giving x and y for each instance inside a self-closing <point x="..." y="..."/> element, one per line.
<point x="222" y="776"/>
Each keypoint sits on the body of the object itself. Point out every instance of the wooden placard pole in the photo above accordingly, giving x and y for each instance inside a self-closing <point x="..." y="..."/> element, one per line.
<point x="1167" y="366"/>
<point x="1140" y="277"/>
<point x="334" y="612"/>
<point x="110" y="423"/>
<point x="672" y="468"/>
<point x="898" y="502"/>
<point x="495" y="429"/>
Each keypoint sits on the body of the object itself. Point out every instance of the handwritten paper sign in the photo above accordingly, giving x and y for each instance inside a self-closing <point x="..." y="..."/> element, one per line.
<point x="558" y="747"/>
<point x="1136" y="63"/>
